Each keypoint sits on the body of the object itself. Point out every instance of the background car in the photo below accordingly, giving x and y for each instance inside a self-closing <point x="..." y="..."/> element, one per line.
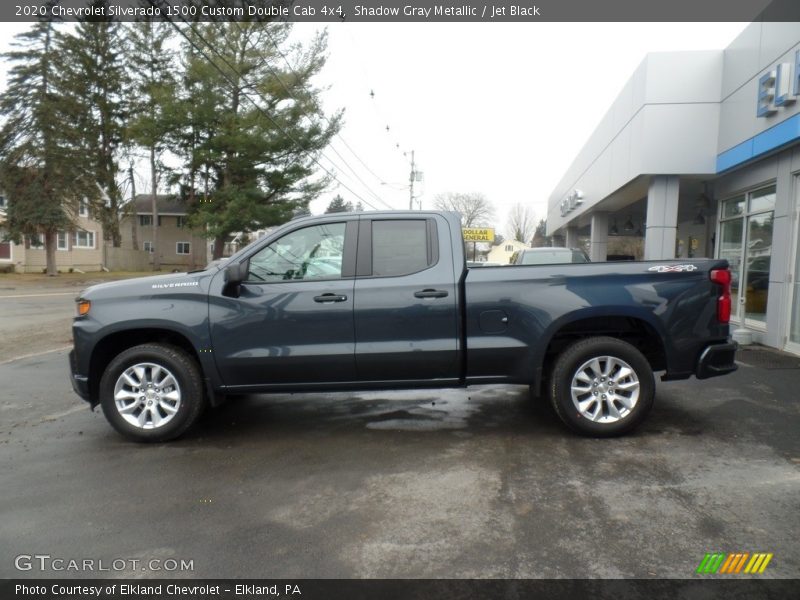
<point x="478" y="263"/>
<point x="548" y="256"/>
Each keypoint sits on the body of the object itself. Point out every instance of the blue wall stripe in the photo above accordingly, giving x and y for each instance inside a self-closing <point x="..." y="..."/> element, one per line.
<point x="736" y="155"/>
<point x="781" y="134"/>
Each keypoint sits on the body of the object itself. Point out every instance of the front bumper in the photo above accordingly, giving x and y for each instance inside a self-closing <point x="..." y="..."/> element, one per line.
<point x="80" y="383"/>
<point x="716" y="360"/>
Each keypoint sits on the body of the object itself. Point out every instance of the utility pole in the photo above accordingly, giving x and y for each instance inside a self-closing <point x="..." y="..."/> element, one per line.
<point x="134" y="213"/>
<point x="411" y="184"/>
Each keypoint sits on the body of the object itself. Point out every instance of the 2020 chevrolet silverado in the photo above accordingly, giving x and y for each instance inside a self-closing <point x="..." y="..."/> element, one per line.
<point x="384" y="300"/>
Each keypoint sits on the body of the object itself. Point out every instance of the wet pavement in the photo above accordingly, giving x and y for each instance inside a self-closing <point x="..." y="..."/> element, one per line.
<point x="455" y="483"/>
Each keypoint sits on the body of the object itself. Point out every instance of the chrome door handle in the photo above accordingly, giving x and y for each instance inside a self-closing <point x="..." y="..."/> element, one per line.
<point x="431" y="294"/>
<point x="328" y="298"/>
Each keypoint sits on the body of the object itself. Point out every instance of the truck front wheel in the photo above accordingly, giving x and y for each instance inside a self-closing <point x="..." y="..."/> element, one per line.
<point x="602" y="387"/>
<point x="152" y="392"/>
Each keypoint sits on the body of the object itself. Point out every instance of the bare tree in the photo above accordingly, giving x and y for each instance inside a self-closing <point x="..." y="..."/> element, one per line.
<point x="521" y="223"/>
<point x="475" y="209"/>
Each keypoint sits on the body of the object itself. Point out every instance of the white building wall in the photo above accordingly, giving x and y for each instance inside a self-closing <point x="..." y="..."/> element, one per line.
<point x="665" y="120"/>
<point x="693" y="116"/>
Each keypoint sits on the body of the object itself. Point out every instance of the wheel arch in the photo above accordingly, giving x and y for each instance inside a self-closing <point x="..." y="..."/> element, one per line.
<point x="639" y="330"/>
<point x="118" y="341"/>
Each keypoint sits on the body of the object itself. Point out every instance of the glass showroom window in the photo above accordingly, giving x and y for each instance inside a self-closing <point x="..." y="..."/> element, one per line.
<point x="746" y="224"/>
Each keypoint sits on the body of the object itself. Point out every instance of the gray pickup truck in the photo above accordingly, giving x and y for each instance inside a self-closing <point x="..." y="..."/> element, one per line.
<point x="356" y="301"/>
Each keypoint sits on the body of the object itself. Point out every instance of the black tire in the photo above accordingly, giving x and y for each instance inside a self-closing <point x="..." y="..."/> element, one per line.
<point x="534" y="396"/>
<point x="611" y="416"/>
<point x="191" y="395"/>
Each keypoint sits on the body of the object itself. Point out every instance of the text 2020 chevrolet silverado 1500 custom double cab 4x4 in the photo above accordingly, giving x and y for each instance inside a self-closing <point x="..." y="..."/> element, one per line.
<point x="384" y="300"/>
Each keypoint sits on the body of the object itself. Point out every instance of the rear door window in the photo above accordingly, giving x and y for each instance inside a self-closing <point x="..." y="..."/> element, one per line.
<point x="400" y="247"/>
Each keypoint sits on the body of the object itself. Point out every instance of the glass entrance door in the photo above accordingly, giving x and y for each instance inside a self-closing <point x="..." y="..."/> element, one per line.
<point x="745" y="234"/>
<point x="793" y="339"/>
<point x="731" y="249"/>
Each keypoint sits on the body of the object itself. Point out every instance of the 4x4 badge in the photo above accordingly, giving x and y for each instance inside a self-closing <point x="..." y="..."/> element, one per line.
<point x="673" y="268"/>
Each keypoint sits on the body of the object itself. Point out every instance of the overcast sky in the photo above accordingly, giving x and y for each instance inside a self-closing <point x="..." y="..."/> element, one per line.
<point x="496" y="108"/>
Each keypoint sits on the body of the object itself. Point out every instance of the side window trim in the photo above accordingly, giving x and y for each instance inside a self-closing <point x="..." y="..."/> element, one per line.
<point x="433" y="243"/>
<point x="350" y="247"/>
<point x="364" y="258"/>
<point x="364" y="253"/>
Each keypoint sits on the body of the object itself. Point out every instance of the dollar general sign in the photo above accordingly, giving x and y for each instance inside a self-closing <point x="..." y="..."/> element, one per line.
<point x="483" y="234"/>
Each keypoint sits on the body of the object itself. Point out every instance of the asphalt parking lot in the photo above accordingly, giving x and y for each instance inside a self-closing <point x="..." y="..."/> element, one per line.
<point x="478" y="483"/>
<point x="37" y="310"/>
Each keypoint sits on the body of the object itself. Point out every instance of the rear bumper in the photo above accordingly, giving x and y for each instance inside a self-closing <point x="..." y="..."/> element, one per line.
<point x="717" y="359"/>
<point x="80" y="383"/>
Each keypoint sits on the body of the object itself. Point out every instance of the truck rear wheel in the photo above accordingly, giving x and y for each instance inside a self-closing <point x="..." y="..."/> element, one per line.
<point x="152" y="392"/>
<point x="602" y="387"/>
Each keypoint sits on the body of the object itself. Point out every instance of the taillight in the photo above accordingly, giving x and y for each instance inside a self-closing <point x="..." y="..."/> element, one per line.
<point x="723" y="278"/>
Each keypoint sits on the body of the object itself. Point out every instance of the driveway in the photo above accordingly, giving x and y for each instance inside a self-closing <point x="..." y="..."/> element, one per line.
<point x="442" y="484"/>
<point x="37" y="310"/>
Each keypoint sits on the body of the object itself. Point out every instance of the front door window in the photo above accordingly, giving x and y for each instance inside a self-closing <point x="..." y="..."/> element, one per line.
<point x="310" y="253"/>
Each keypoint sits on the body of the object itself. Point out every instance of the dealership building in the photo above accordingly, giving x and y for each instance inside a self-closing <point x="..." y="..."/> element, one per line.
<point x="700" y="155"/>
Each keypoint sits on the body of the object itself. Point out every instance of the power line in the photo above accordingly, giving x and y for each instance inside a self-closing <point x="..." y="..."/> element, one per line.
<point x="322" y="114"/>
<point x="288" y="91"/>
<point x="291" y="69"/>
<point x="383" y="119"/>
<point x="244" y="94"/>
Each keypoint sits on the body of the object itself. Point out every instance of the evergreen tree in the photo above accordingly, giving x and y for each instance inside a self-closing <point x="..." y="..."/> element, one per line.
<point x="193" y="121"/>
<point x="41" y="172"/>
<point x="339" y="205"/>
<point x="301" y="211"/>
<point x="540" y="235"/>
<point x="247" y="141"/>
<point x="152" y="106"/>
<point x="97" y="77"/>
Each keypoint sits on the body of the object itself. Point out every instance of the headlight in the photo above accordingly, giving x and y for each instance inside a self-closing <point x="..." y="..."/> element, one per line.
<point x="83" y="307"/>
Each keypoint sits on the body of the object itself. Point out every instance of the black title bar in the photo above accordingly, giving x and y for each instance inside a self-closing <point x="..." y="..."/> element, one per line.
<point x="416" y="11"/>
<point x="396" y="589"/>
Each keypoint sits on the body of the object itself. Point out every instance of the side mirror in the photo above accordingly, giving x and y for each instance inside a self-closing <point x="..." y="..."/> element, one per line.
<point x="236" y="273"/>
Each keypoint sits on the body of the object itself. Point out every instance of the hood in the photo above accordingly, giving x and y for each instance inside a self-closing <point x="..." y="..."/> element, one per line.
<point x="146" y="285"/>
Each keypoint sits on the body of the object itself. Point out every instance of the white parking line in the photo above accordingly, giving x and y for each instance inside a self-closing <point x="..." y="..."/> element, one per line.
<point x="5" y="362"/>
<point x="40" y="295"/>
